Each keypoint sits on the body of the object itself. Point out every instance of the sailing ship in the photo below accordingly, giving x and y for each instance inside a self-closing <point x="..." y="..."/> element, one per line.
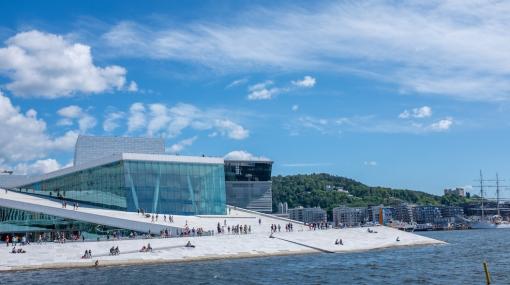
<point x="489" y="222"/>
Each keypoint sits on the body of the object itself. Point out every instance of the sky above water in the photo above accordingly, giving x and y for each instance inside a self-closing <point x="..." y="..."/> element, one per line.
<point x="408" y="95"/>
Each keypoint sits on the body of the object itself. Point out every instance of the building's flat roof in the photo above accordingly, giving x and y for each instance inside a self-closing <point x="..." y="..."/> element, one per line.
<point x="124" y="156"/>
<point x="248" y="161"/>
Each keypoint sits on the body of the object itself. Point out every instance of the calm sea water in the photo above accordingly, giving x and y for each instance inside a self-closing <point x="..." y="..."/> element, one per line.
<point x="459" y="262"/>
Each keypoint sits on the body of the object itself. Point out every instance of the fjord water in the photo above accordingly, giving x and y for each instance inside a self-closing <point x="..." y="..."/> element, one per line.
<point x="458" y="262"/>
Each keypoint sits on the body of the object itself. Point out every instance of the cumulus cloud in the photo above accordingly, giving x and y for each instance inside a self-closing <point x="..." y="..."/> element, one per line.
<point x="370" y="163"/>
<point x="23" y="136"/>
<point x="136" y="119"/>
<point x="111" y="121"/>
<point x="263" y="91"/>
<point x="37" y="167"/>
<point x="132" y="87"/>
<point x="73" y="112"/>
<point x="307" y="82"/>
<point x="46" y="65"/>
<point x="422" y="112"/>
<point x="243" y="155"/>
<point x="160" y="119"/>
<point x="452" y="48"/>
<point x="441" y="125"/>
<point x="178" y="147"/>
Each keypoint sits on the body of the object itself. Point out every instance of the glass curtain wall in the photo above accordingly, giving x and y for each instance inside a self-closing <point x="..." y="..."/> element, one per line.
<point x="177" y="188"/>
<point x="157" y="187"/>
<point x="247" y="171"/>
<point x="101" y="186"/>
<point x="32" y="224"/>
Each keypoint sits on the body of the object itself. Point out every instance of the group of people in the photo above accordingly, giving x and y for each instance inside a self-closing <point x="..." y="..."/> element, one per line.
<point x="318" y="226"/>
<point x="16" y="239"/>
<point x="87" y="254"/>
<point x="147" y="248"/>
<point x="155" y="217"/>
<point x="114" y="250"/>
<point x="75" y="205"/>
<point x="275" y="228"/>
<point x="339" y="241"/>
<point x="191" y="232"/>
<point x="234" y="229"/>
<point x="19" y="250"/>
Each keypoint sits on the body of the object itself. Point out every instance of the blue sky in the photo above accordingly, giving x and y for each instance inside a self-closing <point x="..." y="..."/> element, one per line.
<point x="408" y="95"/>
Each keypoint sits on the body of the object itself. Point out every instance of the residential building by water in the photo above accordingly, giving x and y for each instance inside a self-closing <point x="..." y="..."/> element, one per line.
<point x="348" y="216"/>
<point x="426" y="214"/>
<point x="380" y="214"/>
<point x="308" y="215"/>
<point x="403" y="213"/>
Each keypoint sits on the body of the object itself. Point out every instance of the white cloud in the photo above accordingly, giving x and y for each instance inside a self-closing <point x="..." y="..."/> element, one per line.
<point x="73" y="112"/>
<point x="37" y="167"/>
<point x="422" y="112"/>
<point x="231" y="129"/>
<point x="111" y="121"/>
<point x="136" y="119"/>
<point x="370" y="163"/>
<point x="367" y="124"/>
<point x="243" y="155"/>
<point x="133" y="87"/>
<point x="295" y="108"/>
<point x="452" y="48"/>
<point x="159" y="119"/>
<point x="178" y="147"/>
<point x="307" y="82"/>
<point x="263" y="91"/>
<point x="23" y="136"/>
<point x="49" y="66"/>
<point x="441" y="125"/>
<point x="237" y="83"/>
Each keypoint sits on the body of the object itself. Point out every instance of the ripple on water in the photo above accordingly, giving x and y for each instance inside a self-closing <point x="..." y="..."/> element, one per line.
<point x="459" y="262"/>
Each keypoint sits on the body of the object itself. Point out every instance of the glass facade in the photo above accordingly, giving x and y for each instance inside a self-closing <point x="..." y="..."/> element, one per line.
<point x="248" y="185"/>
<point x="31" y="224"/>
<point x="155" y="186"/>
<point x="248" y="170"/>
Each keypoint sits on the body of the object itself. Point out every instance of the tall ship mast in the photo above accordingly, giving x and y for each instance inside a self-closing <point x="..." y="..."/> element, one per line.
<point x="491" y="222"/>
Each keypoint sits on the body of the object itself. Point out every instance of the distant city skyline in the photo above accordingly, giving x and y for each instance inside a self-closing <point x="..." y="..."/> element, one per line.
<point x="412" y="95"/>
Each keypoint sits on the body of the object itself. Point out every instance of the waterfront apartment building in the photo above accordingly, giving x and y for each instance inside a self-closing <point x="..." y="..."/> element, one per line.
<point x="403" y="213"/>
<point x="451" y="211"/>
<point x="380" y="214"/>
<point x="350" y="217"/>
<point x="308" y="215"/>
<point x="248" y="184"/>
<point x="426" y="214"/>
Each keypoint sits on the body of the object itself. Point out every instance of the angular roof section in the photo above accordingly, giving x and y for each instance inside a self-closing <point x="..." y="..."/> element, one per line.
<point x="128" y="157"/>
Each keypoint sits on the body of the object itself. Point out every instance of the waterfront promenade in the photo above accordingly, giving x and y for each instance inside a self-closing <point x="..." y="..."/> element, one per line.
<point x="219" y="246"/>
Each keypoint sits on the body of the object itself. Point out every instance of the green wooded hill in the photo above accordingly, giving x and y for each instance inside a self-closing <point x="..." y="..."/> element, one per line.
<point x="310" y="190"/>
